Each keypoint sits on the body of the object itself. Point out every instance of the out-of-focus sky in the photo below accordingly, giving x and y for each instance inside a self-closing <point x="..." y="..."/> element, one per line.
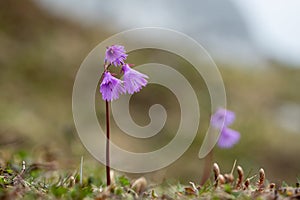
<point x="230" y="29"/>
<point x="275" y="26"/>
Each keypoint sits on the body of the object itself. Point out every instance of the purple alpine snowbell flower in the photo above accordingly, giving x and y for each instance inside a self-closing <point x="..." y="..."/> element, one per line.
<point x="228" y="138"/>
<point x="115" y="54"/>
<point x="221" y="120"/>
<point x="111" y="87"/>
<point x="133" y="80"/>
<point x="222" y="117"/>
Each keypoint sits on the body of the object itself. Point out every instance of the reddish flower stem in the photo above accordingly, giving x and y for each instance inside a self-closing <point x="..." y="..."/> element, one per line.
<point x="207" y="167"/>
<point x="107" y="143"/>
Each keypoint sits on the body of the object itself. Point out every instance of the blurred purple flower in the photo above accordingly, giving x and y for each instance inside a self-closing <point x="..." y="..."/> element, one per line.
<point x="133" y="80"/>
<point x="222" y="118"/>
<point x="111" y="87"/>
<point x="115" y="55"/>
<point x="228" y="138"/>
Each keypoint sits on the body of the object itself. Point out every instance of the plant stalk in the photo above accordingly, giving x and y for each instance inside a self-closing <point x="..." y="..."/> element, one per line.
<point x="107" y="143"/>
<point x="207" y="167"/>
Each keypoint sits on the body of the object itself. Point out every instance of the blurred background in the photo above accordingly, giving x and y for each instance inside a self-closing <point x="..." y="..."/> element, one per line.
<point x="255" y="45"/>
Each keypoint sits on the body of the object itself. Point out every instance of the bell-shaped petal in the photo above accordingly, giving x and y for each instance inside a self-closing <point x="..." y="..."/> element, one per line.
<point x="111" y="87"/>
<point x="115" y="55"/>
<point x="133" y="80"/>
<point x="228" y="138"/>
<point x="222" y="118"/>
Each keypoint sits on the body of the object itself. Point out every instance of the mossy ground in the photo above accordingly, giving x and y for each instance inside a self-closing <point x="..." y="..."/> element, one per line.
<point x="46" y="181"/>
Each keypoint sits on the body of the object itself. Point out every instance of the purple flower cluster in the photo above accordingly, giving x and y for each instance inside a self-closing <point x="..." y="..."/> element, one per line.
<point x="115" y="55"/>
<point x="133" y="81"/>
<point x="221" y="120"/>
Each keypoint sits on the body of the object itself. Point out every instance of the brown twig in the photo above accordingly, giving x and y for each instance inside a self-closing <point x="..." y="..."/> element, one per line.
<point x="229" y="177"/>
<point x="246" y="184"/>
<point x="139" y="185"/>
<point x="240" y="178"/>
<point x="216" y="171"/>
<point x="272" y="186"/>
<point x="247" y="181"/>
<point x="221" y="179"/>
<point x="261" y="181"/>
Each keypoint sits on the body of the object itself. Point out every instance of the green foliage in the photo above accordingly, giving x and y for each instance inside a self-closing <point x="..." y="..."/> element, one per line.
<point x="284" y="184"/>
<point x="58" y="191"/>
<point x="123" y="181"/>
<point x="2" y="180"/>
<point x="228" y="188"/>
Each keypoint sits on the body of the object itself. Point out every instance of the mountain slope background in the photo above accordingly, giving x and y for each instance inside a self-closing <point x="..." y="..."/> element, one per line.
<point x="41" y="53"/>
